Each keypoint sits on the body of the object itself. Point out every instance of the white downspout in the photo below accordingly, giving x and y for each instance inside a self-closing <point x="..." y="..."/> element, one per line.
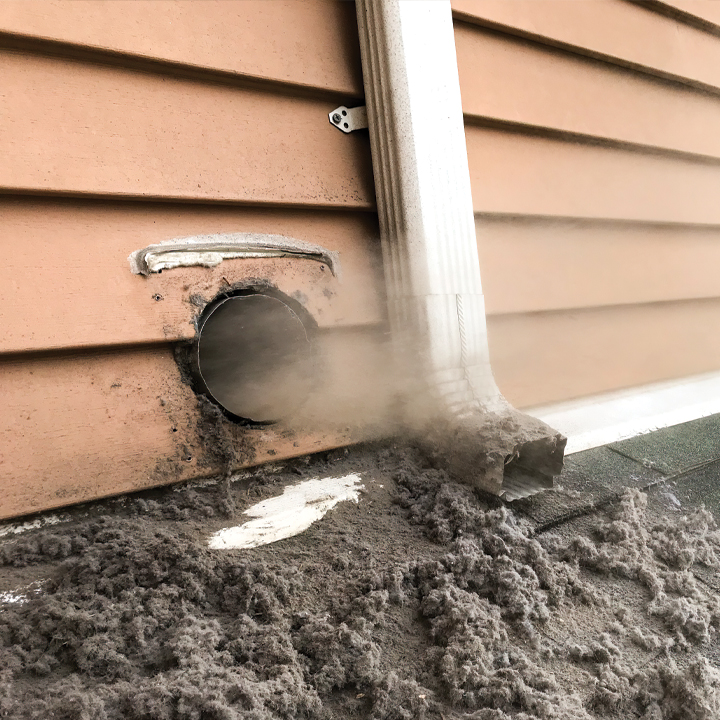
<point x="432" y="269"/>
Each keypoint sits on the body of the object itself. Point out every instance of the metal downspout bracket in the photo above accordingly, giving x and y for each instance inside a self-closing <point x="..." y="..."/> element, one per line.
<point x="432" y="269"/>
<point x="349" y="119"/>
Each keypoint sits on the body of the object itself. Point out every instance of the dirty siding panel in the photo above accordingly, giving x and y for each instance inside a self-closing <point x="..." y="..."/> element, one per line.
<point x="193" y="105"/>
<point x="88" y="426"/>
<point x="75" y="127"/>
<point x="66" y="282"/>
<point x="319" y="50"/>
<point x="73" y="427"/>
<point x="618" y="30"/>
<point x="531" y="264"/>
<point x="542" y="86"/>
<point x="540" y="358"/>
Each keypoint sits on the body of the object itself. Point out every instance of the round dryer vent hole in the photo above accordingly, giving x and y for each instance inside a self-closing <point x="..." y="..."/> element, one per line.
<point x="254" y="357"/>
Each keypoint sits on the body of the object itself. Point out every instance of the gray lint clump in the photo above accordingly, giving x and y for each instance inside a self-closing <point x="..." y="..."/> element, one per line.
<point x="659" y="557"/>
<point x="422" y="601"/>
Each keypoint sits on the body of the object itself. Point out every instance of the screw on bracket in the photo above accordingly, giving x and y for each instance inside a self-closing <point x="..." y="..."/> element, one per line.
<point x="349" y="119"/>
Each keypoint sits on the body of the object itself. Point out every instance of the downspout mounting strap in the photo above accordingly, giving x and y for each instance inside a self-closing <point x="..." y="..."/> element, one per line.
<point x="349" y="119"/>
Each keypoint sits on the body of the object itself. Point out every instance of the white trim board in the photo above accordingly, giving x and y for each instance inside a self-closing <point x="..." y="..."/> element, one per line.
<point x="601" y="419"/>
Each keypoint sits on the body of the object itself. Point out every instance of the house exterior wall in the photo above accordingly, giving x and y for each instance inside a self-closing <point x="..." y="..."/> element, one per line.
<point x="129" y="123"/>
<point x="594" y="161"/>
<point x="594" y="155"/>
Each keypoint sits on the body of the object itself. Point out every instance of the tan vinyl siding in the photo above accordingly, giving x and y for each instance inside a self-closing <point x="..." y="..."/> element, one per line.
<point x="544" y="356"/>
<point x="128" y="123"/>
<point x="77" y="427"/>
<point x="705" y="11"/>
<point x="529" y="174"/>
<point x="87" y="425"/>
<point x="75" y="127"/>
<point x="536" y="85"/>
<point x="310" y="44"/>
<point x="534" y="264"/>
<point x="595" y="166"/>
<point x="79" y="292"/>
<point x="619" y="32"/>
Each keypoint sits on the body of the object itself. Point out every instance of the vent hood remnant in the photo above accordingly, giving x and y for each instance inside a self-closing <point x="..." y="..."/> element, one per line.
<point x="211" y="250"/>
<point x="255" y="357"/>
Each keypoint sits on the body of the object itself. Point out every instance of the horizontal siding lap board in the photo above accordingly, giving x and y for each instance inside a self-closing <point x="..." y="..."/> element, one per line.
<point x="596" y="171"/>
<point x="214" y="116"/>
<point x="537" y="264"/>
<point x="75" y="428"/>
<point x="617" y="31"/>
<point x="512" y="172"/>
<point x="549" y="355"/>
<point x="706" y="11"/>
<point x="73" y="127"/>
<point x="319" y="50"/>
<point x="538" y="85"/>
<point x="77" y="289"/>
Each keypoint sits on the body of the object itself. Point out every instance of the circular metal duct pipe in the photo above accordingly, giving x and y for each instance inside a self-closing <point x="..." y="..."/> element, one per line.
<point x="254" y="357"/>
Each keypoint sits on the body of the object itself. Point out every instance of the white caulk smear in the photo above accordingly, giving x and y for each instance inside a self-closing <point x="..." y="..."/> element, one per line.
<point x="288" y="514"/>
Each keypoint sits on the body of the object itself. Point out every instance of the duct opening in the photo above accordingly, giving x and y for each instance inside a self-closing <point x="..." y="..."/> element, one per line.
<point x="254" y="356"/>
